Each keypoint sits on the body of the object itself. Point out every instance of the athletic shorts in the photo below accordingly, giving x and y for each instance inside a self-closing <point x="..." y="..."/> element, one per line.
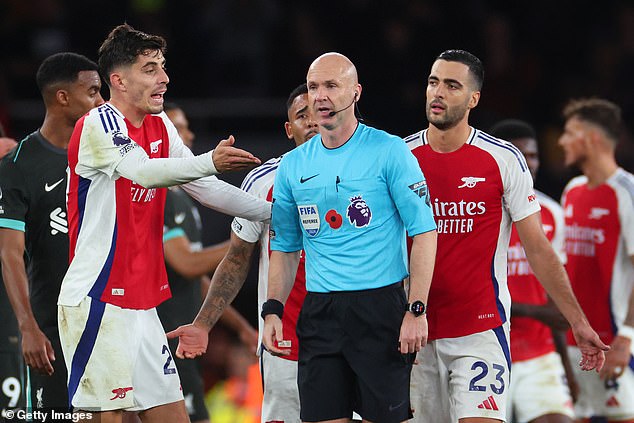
<point x="539" y="387"/>
<point x="193" y="387"/>
<point x="462" y="377"/>
<point x="117" y="358"/>
<point x="11" y="379"/>
<point x="349" y="358"/>
<point x="281" y="396"/>
<point x="613" y="399"/>
<point x="48" y="392"/>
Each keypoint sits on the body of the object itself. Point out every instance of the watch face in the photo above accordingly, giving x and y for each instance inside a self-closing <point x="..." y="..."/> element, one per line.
<point x="418" y="308"/>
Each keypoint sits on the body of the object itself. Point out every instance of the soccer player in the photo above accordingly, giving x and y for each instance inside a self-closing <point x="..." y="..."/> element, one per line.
<point x="11" y="363"/>
<point x="34" y="221"/>
<point x="599" y="215"/>
<point x="279" y="373"/>
<point x="121" y="155"/>
<point x="478" y="185"/>
<point x="538" y="392"/>
<point x="346" y="198"/>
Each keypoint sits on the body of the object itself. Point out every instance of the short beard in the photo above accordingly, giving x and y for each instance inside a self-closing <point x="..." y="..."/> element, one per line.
<point x="451" y="119"/>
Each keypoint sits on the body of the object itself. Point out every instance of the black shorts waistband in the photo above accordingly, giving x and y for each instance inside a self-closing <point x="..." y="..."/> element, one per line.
<point x="389" y="287"/>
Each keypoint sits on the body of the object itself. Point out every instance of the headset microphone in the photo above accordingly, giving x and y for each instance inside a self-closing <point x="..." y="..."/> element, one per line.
<point x="334" y="112"/>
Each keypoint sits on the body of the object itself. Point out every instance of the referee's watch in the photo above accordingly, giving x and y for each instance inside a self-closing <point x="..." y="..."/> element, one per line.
<point x="417" y="308"/>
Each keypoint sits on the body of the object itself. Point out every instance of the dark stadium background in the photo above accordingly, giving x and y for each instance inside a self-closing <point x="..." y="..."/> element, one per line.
<point x="233" y="62"/>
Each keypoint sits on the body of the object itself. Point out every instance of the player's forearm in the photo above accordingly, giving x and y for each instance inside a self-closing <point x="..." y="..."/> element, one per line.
<point x="282" y="272"/>
<point x="17" y="287"/>
<point x="422" y="259"/>
<point x="164" y="172"/>
<point x="228" y="199"/>
<point x="225" y="284"/>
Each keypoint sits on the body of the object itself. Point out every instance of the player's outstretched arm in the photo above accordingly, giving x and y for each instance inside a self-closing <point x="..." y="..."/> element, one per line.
<point x="552" y="275"/>
<point x="225" y="284"/>
<point x="227" y="158"/>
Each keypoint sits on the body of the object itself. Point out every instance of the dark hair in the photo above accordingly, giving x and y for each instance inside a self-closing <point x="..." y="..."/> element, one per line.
<point x="475" y="65"/>
<point x="122" y="47"/>
<point x="299" y="90"/>
<point x="512" y="129"/>
<point x="62" y="68"/>
<point x="597" y="111"/>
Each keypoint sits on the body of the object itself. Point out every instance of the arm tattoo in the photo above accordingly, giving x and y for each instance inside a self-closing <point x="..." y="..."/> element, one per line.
<point x="226" y="282"/>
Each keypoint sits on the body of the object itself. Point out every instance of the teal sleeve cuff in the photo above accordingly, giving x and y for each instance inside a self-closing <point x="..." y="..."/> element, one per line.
<point x="171" y="234"/>
<point x="12" y="224"/>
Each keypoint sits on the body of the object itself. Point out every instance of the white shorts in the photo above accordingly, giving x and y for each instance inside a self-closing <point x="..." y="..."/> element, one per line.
<point x="539" y="387"/>
<point x="462" y="377"/>
<point x="613" y="400"/>
<point x="117" y="358"/>
<point x="281" y="396"/>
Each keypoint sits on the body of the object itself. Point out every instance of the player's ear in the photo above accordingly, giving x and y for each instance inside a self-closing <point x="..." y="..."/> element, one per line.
<point x="117" y="82"/>
<point x="475" y="99"/>
<point x="61" y="96"/>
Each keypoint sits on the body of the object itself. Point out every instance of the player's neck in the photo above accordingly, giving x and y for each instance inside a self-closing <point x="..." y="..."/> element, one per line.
<point x="55" y="130"/>
<point x="448" y="140"/>
<point x="133" y="114"/>
<point x="599" y="169"/>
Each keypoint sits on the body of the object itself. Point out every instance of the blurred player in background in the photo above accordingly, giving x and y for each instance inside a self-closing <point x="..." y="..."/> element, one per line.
<point x="599" y="215"/>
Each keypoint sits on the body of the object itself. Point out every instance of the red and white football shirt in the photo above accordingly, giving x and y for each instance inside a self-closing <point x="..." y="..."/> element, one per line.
<point x="115" y="225"/>
<point x="476" y="192"/>
<point x="529" y="337"/>
<point x="259" y="182"/>
<point x="599" y="243"/>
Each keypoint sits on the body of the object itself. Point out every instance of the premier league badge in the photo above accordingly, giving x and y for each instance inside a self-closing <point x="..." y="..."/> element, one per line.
<point x="358" y="212"/>
<point x="309" y="216"/>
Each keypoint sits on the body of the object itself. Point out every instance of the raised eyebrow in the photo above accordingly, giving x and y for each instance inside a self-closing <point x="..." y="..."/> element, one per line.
<point x="301" y="111"/>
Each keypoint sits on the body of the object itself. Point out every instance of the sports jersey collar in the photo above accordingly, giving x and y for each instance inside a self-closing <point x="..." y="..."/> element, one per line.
<point x="470" y="138"/>
<point x="47" y="145"/>
<point x="353" y="137"/>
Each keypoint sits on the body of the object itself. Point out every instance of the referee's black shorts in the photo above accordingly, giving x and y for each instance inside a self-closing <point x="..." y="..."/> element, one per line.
<point x="349" y="358"/>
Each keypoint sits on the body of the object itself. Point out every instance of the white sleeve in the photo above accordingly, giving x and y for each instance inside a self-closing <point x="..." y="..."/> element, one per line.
<point x="558" y="241"/>
<point x="164" y="172"/>
<point x="625" y="199"/>
<point x="519" y="195"/>
<point x="228" y="199"/>
<point x="247" y="230"/>
<point x="104" y="142"/>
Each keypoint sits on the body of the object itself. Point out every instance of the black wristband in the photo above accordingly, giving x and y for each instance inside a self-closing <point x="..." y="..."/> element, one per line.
<point x="272" y="307"/>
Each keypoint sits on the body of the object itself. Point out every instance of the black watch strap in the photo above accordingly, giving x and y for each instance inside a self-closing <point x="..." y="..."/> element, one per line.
<point x="417" y="308"/>
<point x="272" y="307"/>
